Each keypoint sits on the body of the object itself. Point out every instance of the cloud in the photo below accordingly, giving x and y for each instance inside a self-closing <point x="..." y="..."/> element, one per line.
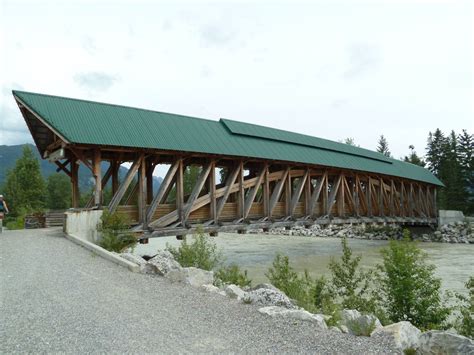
<point x="362" y="58"/>
<point x="218" y="36"/>
<point x="95" y="81"/>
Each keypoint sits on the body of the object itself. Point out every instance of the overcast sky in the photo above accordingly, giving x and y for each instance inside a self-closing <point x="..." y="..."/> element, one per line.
<point x="332" y="69"/>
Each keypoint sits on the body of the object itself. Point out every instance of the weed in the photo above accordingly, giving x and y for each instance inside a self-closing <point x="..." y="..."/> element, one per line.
<point x="231" y="275"/>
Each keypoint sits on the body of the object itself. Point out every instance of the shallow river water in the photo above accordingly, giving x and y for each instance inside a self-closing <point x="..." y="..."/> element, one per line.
<point x="255" y="253"/>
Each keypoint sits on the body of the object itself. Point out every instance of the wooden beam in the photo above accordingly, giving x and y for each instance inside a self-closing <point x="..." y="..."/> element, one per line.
<point x="115" y="177"/>
<point x="333" y="194"/>
<point x="164" y="187"/>
<point x="180" y="191"/>
<point x="253" y="192"/>
<point x="150" y="167"/>
<point x="196" y="190"/>
<point x="142" y="193"/>
<point x="340" y="198"/>
<point x="241" y="194"/>
<point x="125" y="184"/>
<point x="81" y="157"/>
<point x="381" y="193"/>
<point x="63" y="167"/>
<point x="105" y="179"/>
<point x="227" y="189"/>
<point x="75" y="196"/>
<point x="98" y="178"/>
<point x="266" y="194"/>
<point x="297" y="193"/>
<point x="212" y="191"/>
<point x="278" y="189"/>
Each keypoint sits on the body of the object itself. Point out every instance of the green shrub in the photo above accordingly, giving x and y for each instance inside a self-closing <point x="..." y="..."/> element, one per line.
<point x="201" y="253"/>
<point x="350" y="284"/>
<point x="410" y="290"/>
<point x="298" y="288"/>
<point x="16" y="223"/>
<point x="465" y="321"/>
<point x="361" y="329"/>
<point x="231" y="275"/>
<point x="115" y="235"/>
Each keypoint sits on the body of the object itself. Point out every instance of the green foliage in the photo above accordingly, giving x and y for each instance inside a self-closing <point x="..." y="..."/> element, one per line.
<point x="409" y="288"/>
<point x="349" y="283"/>
<point x="16" y="223"/>
<point x="201" y="253"/>
<point x="24" y="186"/>
<point x="464" y="323"/>
<point x="413" y="158"/>
<point x="361" y="329"/>
<point x="409" y="351"/>
<point x="296" y="287"/>
<point x="114" y="232"/>
<point x="382" y="146"/>
<point x="58" y="187"/>
<point x="231" y="274"/>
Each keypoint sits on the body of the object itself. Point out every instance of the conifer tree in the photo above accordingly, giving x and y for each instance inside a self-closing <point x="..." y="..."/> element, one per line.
<point x="413" y="158"/>
<point x="383" y="146"/>
<point x="466" y="160"/>
<point x="24" y="186"/>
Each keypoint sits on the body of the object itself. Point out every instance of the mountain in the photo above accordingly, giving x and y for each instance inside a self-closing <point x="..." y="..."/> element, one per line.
<point x="10" y="153"/>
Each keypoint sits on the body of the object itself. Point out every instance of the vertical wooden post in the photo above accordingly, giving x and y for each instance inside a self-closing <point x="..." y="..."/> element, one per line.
<point x="98" y="178"/>
<point x="435" y="206"/>
<point x="180" y="190"/>
<point x="142" y="193"/>
<point x="381" y="192"/>
<point x="266" y="194"/>
<point x="307" y="195"/>
<point x="340" y="197"/>
<point x="149" y="180"/>
<point x="212" y="191"/>
<point x="369" y="197"/>
<point x="356" y="196"/>
<point x="392" y="198"/>
<point x="288" y="189"/>
<point x="115" y="177"/>
<point x="325" y="196"/>
<point x="75" y="183"/>
<point x="241" y="194"/>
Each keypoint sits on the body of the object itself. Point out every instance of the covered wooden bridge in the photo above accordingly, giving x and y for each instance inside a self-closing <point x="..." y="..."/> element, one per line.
<point x="271" y="177"/>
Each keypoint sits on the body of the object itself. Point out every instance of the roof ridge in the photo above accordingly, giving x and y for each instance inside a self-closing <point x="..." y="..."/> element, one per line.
<point x="109" y="104"/>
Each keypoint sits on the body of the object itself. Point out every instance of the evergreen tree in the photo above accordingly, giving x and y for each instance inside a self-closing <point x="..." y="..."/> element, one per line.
<point x="24" y="186"/>
<point x="59" y="192"/>
<point x="453" y="196"/>
<point x="383" y="146"/>
<point x="413" y="158"/>
<point x="435" y="150"/>
<point x="466" y="160"/>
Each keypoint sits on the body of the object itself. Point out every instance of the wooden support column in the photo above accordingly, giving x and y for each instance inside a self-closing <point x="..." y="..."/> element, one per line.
<point x="253" y="192"/>
<point x="381" y="193"/>
<point x="212" y="191"/>
<point x="201" y="180"/>
<point x="115" y="175"/>
<point x="325" y="197"/>
<point x="435" y="197"/>
<point x="307" y="195"/>
<point x="266" y="194"/>
<point x="298" y="191"/>
<point x="357" y="196"/>
<point x="98" y="178"/>
<point x="277" y="190"/>
<point x="334" y="189"/>
<point x="320" y="187"/>
<point x="340" y="197"/>
<point x="288" y="189"/>
<point x="228" y="187"/>
<point x="150" y="167"/>
<point x="180" y="191"/>
<point x="142" y="193"/>
<point x="369" y="197"/>
<point x="410" y="201"/>
<point x="241" y="193"/>
<point x="392" y="198"/>
<point x="74" y="168"/>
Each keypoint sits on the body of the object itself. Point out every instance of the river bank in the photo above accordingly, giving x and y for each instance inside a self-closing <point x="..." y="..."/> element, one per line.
<point x="255" y="253"/>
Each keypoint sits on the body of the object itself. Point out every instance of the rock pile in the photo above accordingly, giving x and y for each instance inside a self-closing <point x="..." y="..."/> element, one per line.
<point x="457" y="232"/>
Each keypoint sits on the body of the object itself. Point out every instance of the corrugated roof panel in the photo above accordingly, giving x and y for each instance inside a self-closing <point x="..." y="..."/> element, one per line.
<point x="87" y="122"/>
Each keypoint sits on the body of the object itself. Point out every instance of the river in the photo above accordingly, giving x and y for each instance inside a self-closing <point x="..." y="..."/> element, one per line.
<point x="255" y="253"/>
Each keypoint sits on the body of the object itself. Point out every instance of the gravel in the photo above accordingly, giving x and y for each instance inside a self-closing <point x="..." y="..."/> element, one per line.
<point x="58" y="297"/>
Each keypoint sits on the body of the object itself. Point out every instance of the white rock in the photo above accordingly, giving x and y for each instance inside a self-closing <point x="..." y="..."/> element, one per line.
<point x="268" y="297"/>
<point x="439" y="342"/>
<point x="265" y="286"/>
<point x="234" y="291"/>
<point x="162" y="263"/>
<point x="297" y="314"/>
<point x="358" y="323"/>
<point x="191" y="276"/>
<point x="210" y="288"/>
<point x="404" y="334"/>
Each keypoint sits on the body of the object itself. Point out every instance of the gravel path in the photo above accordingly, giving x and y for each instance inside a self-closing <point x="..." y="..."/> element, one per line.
<point x="58" y="297"/>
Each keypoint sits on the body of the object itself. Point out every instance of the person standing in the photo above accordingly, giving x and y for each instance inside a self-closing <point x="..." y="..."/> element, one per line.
<point x="3" y="211"/>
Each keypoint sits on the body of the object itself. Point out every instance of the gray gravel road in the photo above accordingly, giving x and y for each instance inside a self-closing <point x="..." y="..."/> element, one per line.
<point x="58" y="297"/>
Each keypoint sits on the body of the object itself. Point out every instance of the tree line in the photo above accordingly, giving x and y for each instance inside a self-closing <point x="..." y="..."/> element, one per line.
<point x="450" y="158"/>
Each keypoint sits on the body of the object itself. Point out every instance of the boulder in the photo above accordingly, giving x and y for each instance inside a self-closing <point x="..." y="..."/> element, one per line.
<point x="295" y="314"/>
<point x="439" y="342"/>
<point x="191" y="276"/>
<point x="268" y="297"/>
<point x="234" y="291"/>
<point x="359" y="324"/>
<point x="265" y="286"/>
<point x="404" y="334"/>
<point x="210" y="288"/>
<point x="162" y="263"/>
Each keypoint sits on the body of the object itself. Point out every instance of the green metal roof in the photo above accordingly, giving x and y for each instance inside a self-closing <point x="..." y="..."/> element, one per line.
<point x="87" y="122"/>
